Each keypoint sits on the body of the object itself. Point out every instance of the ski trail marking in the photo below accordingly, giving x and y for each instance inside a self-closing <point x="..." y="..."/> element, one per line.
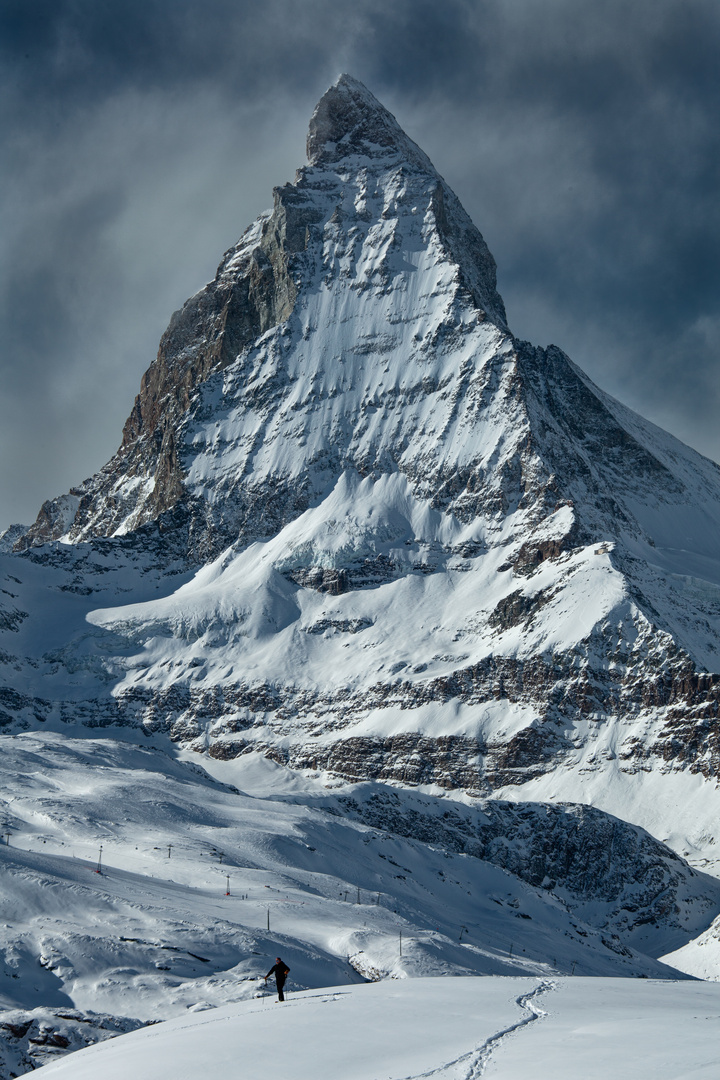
<point x="473" y="1062"/>
<point x="525" y="1001"/>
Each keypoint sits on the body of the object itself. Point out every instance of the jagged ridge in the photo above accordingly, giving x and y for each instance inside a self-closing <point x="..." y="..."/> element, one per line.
<point x="446" y="533"/>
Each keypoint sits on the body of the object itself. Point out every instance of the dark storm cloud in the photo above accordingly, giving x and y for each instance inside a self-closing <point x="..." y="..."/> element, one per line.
<point x="141" y="138"/>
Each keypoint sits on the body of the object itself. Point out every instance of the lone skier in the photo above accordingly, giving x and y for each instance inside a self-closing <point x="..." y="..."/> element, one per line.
<point x="280" y="970"/>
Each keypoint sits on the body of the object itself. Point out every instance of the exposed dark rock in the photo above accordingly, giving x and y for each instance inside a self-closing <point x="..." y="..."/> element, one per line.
<point x="12" y="618"/>
<point x="343" y="626"/>
<point x="516" y="608"/>
<point x="31" y="1039"/>
<point x="592" y="861"/>
<point x="321" y="578"/>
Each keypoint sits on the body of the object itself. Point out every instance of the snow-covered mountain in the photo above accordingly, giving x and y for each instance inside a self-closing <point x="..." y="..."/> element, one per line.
<point x="358" y="539"/>
<point x="450" y="1029"/>
<point x="356" y="525"/>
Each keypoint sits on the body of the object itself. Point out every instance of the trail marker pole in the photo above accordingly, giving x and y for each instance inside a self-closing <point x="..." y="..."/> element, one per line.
<point x="228" y="884"/>
<point x="169" y="850"/>
<point x="99" y="865"/>
<point x="401" y="942"/>
<point x="573" y="970"/>
<point x="512" y="943"/>
<point x="268" y="919"/>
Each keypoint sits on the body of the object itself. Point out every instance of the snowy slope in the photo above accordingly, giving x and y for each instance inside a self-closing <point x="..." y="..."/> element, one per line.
<point x="339" y="889"/>
<point x="449" y="1028"/>
<point x="203" y="882"/>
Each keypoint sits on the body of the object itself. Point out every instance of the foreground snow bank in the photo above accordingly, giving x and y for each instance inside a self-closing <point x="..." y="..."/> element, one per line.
<point x="446" y="1027"/>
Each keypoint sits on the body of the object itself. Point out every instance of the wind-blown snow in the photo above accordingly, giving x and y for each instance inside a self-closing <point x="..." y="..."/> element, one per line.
<point x="242" y="612"/>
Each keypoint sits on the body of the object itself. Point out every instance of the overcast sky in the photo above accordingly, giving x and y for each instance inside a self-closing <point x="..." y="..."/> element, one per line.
<point x="142" y="136"/>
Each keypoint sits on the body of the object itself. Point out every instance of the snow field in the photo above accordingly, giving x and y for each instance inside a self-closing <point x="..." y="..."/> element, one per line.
<point x="155" y="933"/>
<point x="625" y="1029"/>
<point x="452" y="1029"/>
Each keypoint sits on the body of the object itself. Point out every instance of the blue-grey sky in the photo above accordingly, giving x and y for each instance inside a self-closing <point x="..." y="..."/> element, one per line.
<point x="142" y="136"/>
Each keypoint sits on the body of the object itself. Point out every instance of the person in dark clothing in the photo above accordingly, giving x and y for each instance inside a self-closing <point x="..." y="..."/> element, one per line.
<point x="280" y="970"/>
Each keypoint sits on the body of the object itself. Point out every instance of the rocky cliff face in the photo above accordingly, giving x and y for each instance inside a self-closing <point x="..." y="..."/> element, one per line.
<point x="595" y="863"/>
<point x="255" y="290"/>
<point x="252" y="291"/>
<point x="411" y="546"/>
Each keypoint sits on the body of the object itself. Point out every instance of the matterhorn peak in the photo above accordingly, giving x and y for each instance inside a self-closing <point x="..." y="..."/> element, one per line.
<point x="413" y="547"/>
<point x="349" y="120"/>
<point x="346" y="245"/>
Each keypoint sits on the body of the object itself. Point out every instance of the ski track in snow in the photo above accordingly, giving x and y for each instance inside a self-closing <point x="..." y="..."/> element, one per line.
<point x="475" y="1061"/>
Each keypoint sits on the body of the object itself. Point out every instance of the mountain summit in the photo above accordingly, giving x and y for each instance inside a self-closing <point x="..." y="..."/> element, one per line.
<point x="411" y="546"/>
<point x="368" y="193"/>
<point x="350" y="122"/>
